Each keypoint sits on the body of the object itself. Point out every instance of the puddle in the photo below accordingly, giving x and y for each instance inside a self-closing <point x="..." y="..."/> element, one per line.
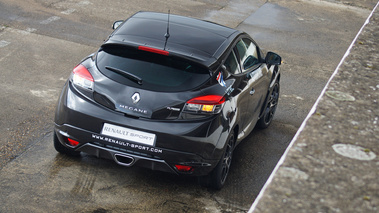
<point x="234" y="12"/>
<point x="272" y="16"/>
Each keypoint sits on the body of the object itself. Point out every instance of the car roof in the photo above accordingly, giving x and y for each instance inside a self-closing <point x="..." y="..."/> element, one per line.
<point x="197" y="40"/>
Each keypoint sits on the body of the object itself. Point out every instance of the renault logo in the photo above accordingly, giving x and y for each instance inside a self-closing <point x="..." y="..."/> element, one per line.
<point x="136" y="98"/>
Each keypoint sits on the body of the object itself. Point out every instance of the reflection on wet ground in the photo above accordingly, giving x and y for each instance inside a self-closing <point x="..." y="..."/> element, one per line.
<point x="43" y="179"/>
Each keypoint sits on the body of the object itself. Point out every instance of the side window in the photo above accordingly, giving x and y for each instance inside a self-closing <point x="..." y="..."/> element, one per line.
<point x="231" y="64"/>
<point x="247" y="52"/>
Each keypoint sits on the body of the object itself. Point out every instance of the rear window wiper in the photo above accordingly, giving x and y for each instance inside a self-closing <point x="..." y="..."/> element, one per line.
<point x="128" y="75"/>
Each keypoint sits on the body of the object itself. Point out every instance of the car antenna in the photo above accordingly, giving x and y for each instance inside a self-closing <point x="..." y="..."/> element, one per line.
<point x="167" y="35"/>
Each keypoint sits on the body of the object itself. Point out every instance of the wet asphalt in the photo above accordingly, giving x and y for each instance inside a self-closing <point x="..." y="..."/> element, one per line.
<point x="41" y="41"/>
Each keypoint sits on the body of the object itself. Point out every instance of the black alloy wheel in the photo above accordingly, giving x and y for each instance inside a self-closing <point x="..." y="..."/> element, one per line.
<point x="270" y="109"/>
<point x="216" y="179"/>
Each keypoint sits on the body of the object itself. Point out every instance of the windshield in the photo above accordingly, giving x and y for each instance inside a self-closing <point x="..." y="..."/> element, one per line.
<point x="156" y="72"/>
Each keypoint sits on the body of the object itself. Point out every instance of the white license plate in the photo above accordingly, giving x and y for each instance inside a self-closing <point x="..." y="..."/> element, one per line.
<point x="128" y="134"/>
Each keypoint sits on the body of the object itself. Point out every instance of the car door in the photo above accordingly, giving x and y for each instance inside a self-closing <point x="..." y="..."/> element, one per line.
<point x="255" y="73"/>
<point x="240" y="89"/>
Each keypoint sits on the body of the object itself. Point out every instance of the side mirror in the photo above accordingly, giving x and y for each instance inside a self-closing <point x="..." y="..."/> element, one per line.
<point x="116" y="24"/>
<point x="273" y="59"/>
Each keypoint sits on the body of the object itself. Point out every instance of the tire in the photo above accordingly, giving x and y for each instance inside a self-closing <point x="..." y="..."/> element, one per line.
<point x="270" y="107"/>
<point x="216" y="179"/>
<point x="62" y="149"/>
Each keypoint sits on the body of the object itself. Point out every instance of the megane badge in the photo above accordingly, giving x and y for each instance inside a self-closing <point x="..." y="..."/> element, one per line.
<point x="136" y="98"/>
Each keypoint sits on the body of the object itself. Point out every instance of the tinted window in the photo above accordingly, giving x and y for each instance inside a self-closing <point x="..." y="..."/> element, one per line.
<point x="231" y="64"/>
<point x="247" y="52"/>
<point x="158" y="72"/>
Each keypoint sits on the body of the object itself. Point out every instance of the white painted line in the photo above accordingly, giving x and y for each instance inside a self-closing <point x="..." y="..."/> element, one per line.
<point x="260" y="195"/>
<point x="4" y="43"/>
<point x="46" y="95"/>
<point x="84" y="3"/>
<point x="69" y="11"/>
<point x="293" y="96"/>
<point x="30" y="30"/>
<point x="51" y="19"/>
<point x="22" y="32"/>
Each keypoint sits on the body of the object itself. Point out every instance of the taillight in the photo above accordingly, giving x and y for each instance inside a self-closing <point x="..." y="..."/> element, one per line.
<point x="206" y="104"/>
<point x="82" y="77"/>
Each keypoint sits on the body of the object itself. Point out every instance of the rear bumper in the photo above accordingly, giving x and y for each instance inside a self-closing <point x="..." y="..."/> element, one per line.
<point x="198" y="144"/>
<point x="126" y="159"/>
<point x="131" y="154"/>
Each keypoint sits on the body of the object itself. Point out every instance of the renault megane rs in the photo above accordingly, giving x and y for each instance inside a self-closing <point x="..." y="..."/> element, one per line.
<point x="169" y="93"/>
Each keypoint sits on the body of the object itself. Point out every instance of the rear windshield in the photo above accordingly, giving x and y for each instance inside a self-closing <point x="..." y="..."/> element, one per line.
<point x="154" y="71"/>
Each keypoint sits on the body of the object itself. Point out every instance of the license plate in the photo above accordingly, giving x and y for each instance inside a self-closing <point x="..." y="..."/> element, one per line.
<point x="128" y="134"/>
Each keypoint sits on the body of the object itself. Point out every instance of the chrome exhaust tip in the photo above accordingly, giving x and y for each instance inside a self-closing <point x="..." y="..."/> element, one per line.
<point x="124" y="160"/>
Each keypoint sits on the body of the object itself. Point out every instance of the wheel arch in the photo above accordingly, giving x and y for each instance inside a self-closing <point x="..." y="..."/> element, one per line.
<point x="275" y="77"/>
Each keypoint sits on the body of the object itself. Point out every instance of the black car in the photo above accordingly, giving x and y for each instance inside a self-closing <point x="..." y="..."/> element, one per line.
<point x="169" y="93"/>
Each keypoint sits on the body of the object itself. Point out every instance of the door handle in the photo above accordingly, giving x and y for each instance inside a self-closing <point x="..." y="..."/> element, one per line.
<point x="252" y="92"/>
